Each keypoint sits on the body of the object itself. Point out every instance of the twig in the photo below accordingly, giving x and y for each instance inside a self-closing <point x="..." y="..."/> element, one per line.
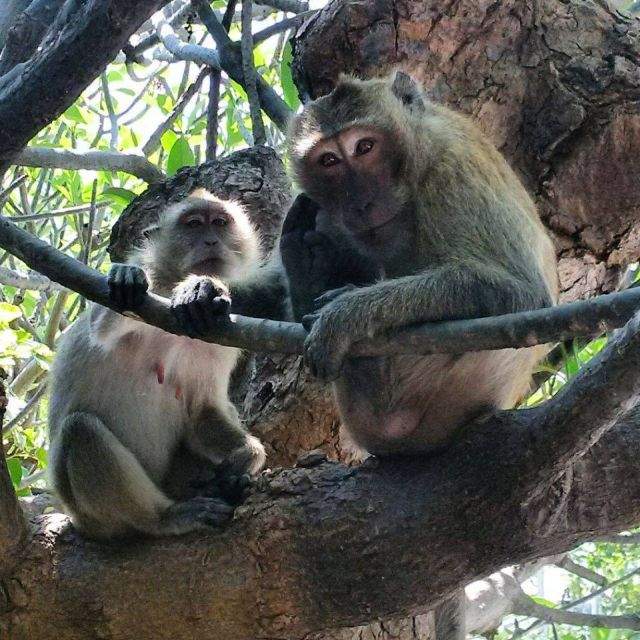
<point x="92" y="221"/>
<point x="33" y="281"/>
<point x="231" y="61"/>
<point x="136" y="165"/>
<point x="154" y="139"/>
<point x="583" y="572"/>
<point x="113" y="118"/>
<point x="512" y="330"/>
<point x="290" y="6"/>
<point x="184" y="50"/>
<point x="526" y="606"/>
<point x="620" y="538"/>
<point x="17" y="419"/>
<point x="214" y="93"/>
<point x="14" y="184"/>
<point x="579" y="601"/>
<point x="250" y="75"/>
<point x="283" y="25"/>
<point x="81" y="208"/>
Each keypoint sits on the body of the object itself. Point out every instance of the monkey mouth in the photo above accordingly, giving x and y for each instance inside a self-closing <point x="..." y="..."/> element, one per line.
<point x="373" y="231"/>
<point x="207" y="267"/>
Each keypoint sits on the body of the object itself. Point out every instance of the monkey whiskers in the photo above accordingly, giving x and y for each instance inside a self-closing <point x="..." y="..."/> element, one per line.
<point x="585" y="318"/>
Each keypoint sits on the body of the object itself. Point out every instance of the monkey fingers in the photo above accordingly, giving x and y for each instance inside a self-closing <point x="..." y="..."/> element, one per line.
<point x="301" y="215"/>
<point x="234" y="488"/>
<point x="199" y="303"/>
<point x="325" y="352"/>
<point x="128" y="285"/>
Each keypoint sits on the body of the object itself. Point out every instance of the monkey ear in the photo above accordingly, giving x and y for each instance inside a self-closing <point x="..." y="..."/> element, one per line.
<point x="407" y="91"/>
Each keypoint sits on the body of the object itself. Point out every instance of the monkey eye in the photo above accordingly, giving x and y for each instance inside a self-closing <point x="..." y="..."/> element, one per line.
<point x="194" y="223"/>
<point x="329" y="159"/>
<point x="364" y="146"/>
<point x="220" y="222"/>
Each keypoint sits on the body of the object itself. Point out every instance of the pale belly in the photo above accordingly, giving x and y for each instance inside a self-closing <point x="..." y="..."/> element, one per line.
<point x="410" y="404"/>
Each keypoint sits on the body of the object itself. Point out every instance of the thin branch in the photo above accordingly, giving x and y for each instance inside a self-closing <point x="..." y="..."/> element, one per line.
<point x="14" y="184"/>
<point x="579" y="601"/>
<point x="154" y="139"/>
<point x="231" y="61"/>
<point x="81" y="208"/>
<point x="136" y="165"/>
<point x="283" y="25"/>
<point x="583" y="572"/>
<point x="185" y="50"/>
<point x="113" y="118"/>
<point x="621" y="538"/>
<point x="214" y="93"/>
<point x="22" y="414"/>
<point x="457" y="336"/>
<point x="290" y="6"/>
<point x="250" y="75"/>
<point x="33" y="281"/>
<point x="526" y="606"/>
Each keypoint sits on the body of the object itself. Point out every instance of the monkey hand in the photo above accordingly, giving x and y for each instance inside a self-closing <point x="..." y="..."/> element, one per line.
<point x="328" y="342"/>
<point x="128" y="285"/>
<point x="198" y="303"/>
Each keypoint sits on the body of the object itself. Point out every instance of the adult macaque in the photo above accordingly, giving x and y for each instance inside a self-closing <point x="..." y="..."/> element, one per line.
<point x="420" y="193"/>
<point x="127" y="398"/>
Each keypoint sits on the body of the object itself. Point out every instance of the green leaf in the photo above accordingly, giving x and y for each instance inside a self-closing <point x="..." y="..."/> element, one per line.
<point x="168" y="139"/>
<point x="74" y="113"/>
<point x="544" y="602"/>
<point x="9" y="312"/>
<point x="15" y="471"/>
<point x="118" y="195"/>
<point x="286" y="78"/>
<point x="180" y="156"/>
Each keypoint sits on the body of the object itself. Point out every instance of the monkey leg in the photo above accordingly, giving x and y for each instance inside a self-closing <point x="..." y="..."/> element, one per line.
<point x="218" y="435"/>
<point x="109" y="494"/>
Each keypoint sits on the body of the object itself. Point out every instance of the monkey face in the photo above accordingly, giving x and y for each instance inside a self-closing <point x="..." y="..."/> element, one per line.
<point x="353" y="176"/>
<point x="204" y="235"/>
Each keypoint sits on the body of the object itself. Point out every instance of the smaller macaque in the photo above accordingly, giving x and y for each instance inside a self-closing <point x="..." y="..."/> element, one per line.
<point x="131" y="405"/>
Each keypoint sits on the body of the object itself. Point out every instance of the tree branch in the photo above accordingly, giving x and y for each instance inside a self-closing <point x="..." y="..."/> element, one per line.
<point x="583" y="572"/>
<point x="37" y="91"/>
<point x="329" y="546"/>
<point x="136" y="165"/>
<point x="525" y="606"/>
<point x="250" y="75"/>
<point x="33" y="281"/>
<point x="456" y="336"/>
<point x="231" y="61"/>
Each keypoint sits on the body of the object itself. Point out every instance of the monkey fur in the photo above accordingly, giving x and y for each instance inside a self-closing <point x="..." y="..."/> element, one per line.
<point x="131" y="406"/>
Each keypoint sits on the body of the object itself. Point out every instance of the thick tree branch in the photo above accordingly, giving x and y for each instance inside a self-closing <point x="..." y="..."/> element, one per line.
<point x="330" y="546"/>
<point x="136" y="165"/>
<point x="511" y="330"/>
<point x="583" y="572"/>
<point x="37" y="91"/>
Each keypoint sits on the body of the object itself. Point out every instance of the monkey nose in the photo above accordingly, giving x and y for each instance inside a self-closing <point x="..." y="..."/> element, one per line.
<point x="210" y="243"/>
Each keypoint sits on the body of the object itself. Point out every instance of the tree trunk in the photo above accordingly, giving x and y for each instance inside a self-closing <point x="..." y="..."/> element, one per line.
<point x="555" y="84"/>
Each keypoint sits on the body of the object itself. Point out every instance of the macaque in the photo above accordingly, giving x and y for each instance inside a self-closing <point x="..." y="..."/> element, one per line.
<point x="128" y="400"/>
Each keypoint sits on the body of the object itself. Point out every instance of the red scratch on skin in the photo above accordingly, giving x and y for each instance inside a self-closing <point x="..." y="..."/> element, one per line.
<point x="159" y="369"/>
<point x="178" y="393"/>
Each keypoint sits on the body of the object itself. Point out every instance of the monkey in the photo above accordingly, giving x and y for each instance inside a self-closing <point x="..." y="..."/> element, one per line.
<point x="127" y="399"/>
<point x="441" y="228"/>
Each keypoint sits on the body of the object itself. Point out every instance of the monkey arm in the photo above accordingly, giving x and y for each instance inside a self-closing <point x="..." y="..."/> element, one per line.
<point x="263" y="295"/>
<point x="451" y="291"/>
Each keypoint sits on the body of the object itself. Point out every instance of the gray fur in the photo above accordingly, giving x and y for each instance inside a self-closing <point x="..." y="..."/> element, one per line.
<point x="125" y="396"/>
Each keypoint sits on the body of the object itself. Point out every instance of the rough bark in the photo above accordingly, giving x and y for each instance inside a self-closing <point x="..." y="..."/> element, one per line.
<point x="556" y="85"/>
<point x="329" y="546"/>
